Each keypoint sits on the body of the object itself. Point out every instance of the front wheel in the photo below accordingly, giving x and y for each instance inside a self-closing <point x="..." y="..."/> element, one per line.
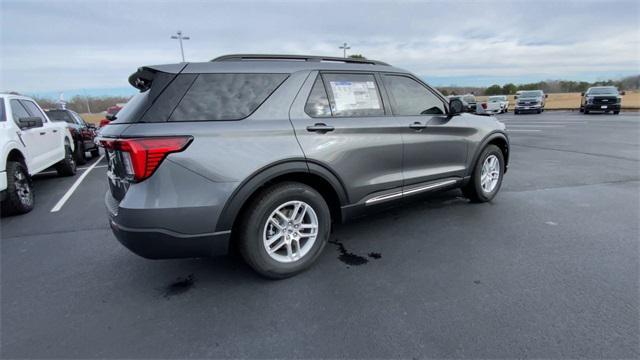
<point x="20" y="198"/>
<point x="487" y="175"/>
<point x="616" y="112"/>
<point x="284" y="230"/>
<point x="66" y="166"/>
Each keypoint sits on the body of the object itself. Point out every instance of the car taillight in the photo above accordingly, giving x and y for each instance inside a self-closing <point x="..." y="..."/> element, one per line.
<point x="142" y="156"/>
<point x="484" y="105"/>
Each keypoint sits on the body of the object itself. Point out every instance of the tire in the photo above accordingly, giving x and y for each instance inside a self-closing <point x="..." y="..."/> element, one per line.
<point x="95" y="152"/>
<point x="474" y="190"/>
<point x="79" y="154"/>
<point x="616" y="112"/>
<point x="586" y="111"/>
<point x="515" y="112"/>
<point x="581" y="109"/>
<point x="66" y="166"/>
<point x="20" y="198"/>
<point x="255" y="230"/>
<point x="539" y="111"/>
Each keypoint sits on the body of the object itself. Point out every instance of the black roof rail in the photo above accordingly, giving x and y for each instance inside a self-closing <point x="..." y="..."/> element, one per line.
<point x="240" y="57"/>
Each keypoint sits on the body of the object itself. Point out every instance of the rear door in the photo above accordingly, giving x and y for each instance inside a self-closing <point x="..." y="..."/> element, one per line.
<point x="341" y="123"/>
<point x="434" y="143"/>
<point x="50" y="134"/>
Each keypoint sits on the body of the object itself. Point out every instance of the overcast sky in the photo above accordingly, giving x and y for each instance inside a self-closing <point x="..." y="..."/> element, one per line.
<point x="50" y="46"/>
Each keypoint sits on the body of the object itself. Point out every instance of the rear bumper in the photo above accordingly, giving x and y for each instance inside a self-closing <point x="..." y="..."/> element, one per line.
<point x="165" y="244"/>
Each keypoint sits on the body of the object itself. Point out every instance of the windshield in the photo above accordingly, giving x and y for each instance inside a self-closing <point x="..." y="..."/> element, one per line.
<point x="531" y="94"/>
<point x="603" y="91"/>
<point x="469" y="98"/>
<point x="60" y="115"/>
<point x="497" y="98"/>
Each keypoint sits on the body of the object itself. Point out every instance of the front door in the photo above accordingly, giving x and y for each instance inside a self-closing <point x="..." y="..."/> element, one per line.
<point x="33" y="139"/>
<point x="434" y="143"/>
<point x="341" y="123"/>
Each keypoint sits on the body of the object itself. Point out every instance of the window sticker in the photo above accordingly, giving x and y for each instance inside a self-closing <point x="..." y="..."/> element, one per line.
<point x="354" y="95"/>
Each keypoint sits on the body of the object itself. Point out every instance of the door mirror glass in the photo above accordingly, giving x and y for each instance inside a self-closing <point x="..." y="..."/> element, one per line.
<point x="29" y="122"/>
<point x="110" y="117"/>
<point x="455" y="106"/>
<point x="546" y="95"/>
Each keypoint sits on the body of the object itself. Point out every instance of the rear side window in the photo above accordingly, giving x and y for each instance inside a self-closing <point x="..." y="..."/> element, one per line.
<point x="33" y="109"/>
<point x="225" y="96"/>
<point x="3" y="117"/>
<point x="353" y="95"/>
<point x="409" y="97"/>
<point x="60" y="115"/>
<point x="318" y="103"/>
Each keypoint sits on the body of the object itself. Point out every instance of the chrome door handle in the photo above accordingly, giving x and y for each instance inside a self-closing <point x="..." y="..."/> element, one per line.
<point x="320" y="127"/>
<point x="417" y="126"/>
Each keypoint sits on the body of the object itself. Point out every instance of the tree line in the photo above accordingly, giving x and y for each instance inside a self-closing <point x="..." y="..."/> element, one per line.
<point x="548" y="86"/>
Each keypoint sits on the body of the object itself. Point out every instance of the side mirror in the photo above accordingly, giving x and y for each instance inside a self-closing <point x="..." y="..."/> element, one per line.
<point x="515" y="96"/>
<point x="581" y="94"/>
<point x="29" y="122"/>
<point x="91" y="126"/>
<point x="110" y="117"/>
<point x="622" y="93"/>
<point x="455" y="106"/>
<point x="546" y="95"/>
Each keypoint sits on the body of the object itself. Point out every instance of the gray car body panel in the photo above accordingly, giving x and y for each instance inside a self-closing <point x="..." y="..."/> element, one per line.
<point x="199" y="192"/>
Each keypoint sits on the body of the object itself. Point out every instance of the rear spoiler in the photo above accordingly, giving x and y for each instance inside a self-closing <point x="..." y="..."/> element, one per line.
<point x="143" y="77"/>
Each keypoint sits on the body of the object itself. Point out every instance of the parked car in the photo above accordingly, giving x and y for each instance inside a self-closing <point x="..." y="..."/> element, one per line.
<point x="264" y="152"/>
<point x="498" y="103"/>
<point x="601" y="98"/>
<point x="82" y="132"/>
<point x="465" y="105"/>
<point x="530" y="101"/>
<point x="29" y="144"/>
<point x="471" y="101"/>
<point x="112" y="111"/>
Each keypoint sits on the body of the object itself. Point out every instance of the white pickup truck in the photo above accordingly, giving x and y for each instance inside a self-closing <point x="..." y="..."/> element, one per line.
<point x="29" y="144"/>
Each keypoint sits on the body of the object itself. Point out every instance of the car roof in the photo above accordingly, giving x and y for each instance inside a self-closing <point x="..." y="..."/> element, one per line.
<point x="14" y="96"/>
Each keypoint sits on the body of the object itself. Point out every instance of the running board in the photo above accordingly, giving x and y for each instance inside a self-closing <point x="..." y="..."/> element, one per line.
<point x="413" y="191"/>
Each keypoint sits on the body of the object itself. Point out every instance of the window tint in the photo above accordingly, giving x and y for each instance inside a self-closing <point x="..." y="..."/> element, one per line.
<point x="59" y="115"/>
<point x="33" y="109"/>
<point x="318" y="102"/>
<point x="18" y="111"/>
<point x="225" y="96"/>
<point x="353" y="95"/>
<point x="409" y="97"/>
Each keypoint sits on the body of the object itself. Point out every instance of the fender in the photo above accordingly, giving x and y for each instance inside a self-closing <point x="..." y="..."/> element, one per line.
<point x="242" y="193"/>
<point x="7" y="148"/>
<point x="487" y="139"/>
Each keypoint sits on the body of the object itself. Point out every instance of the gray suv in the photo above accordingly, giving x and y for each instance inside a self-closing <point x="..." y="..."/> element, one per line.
<point x="263" y="152"/>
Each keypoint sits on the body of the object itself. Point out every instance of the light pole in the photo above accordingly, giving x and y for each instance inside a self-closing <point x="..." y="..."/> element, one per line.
<point x="180" y="38"/>
<point x="344" y="48"/>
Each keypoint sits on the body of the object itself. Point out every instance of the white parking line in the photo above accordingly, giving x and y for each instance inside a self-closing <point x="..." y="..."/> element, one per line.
<point x="541" y="126"/>
<point x="73" y="187"/>
<point x="523" y="130"/>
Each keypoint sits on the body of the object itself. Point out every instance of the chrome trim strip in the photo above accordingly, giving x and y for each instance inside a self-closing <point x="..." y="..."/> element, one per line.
<point x="385" y="197"/>
<point x="429" y="187"/>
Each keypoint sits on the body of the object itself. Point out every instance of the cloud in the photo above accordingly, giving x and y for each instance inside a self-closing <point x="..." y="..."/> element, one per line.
<point x="91" y="44"/>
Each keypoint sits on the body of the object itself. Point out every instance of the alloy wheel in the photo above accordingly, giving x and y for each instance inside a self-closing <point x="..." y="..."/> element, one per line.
<point x="490" y="173"/>
<point x="290" y="231"/>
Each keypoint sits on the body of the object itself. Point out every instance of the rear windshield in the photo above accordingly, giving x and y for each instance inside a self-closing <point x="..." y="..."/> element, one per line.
<point x="60" y="115"/>
<point x="497" y="98"/>
<point x="469" y="98"/>
<point x="200" y="97"/>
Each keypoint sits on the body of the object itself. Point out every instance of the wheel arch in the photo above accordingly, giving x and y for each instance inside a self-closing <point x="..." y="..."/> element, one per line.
<point x="497" y="138"/>
<point x="13" y="154"/>
<point x="313" y="174"/>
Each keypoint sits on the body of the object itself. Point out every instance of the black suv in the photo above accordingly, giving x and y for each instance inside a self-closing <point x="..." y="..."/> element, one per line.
<point x="264" y="152"/>
<point x="601" y="98"/>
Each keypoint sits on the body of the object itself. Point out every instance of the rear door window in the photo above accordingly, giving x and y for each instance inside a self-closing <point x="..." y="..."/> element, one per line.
<point x="3" y="117"/>
<point x="225" y="96"/>
<point x="318" y="102"/>
<point x="353" y="95"/>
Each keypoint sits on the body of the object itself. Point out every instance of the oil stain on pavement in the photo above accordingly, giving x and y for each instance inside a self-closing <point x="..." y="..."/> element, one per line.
<point x="350" y="258"/>
<point x="178" y="287"/>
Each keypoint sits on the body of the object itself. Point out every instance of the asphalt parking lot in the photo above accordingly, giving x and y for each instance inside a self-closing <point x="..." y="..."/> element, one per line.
<point x="549" y="269"/>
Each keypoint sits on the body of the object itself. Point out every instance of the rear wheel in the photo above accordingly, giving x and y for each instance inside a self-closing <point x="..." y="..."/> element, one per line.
<point x="66" y="166"/>
<point x="487" y="175"/>
<point x="80" y="158"/>
<point x="284" y="230"/>
<point x="616" y="112"/>
<point x="95" y="152"/>
<point x="20" y="198"/>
